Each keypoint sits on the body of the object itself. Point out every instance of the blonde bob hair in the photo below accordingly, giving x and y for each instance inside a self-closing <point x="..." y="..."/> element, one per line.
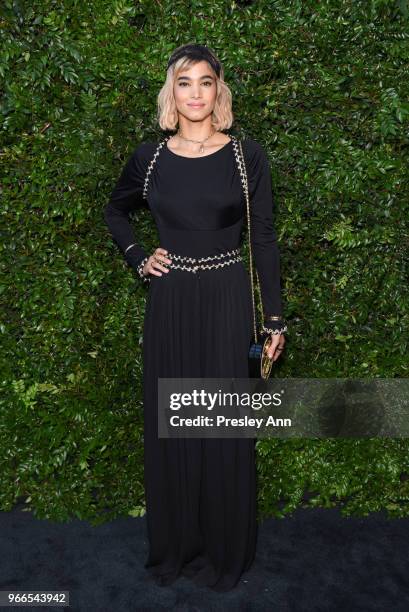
<point x="222" y="115"/>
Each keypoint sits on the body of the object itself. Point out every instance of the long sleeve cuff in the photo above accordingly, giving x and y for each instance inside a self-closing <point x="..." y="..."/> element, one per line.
<point x="274" y="326"/>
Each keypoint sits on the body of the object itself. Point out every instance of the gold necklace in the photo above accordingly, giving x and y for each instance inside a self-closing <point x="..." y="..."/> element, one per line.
<point x="201" y="148"/>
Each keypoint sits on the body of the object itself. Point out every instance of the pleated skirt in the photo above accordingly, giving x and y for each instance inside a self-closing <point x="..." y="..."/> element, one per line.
<point x="200" y="493"/>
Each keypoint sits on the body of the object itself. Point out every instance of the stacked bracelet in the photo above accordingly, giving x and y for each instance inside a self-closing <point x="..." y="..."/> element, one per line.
<point x="139" y="269"/>
<point x="129" y="247"/>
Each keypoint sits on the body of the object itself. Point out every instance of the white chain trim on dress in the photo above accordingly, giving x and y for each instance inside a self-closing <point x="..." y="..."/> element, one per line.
<point x="198" y="262"/>
<point x="150" y="167"/>
<point x="145" y="277"/>
<point x="274" y="331"/>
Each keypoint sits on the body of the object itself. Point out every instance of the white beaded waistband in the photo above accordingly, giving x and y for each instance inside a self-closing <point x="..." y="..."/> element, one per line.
<point x="201" y="263"/>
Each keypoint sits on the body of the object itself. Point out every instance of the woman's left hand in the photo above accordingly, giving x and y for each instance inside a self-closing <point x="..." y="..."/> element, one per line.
<point x="276" y="347"/>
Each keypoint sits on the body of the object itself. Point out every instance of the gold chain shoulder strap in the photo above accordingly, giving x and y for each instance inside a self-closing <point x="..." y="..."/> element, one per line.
<point x="238" y="150"/>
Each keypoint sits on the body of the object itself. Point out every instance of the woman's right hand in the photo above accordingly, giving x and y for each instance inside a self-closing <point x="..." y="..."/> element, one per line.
<point x="154" y="265"/>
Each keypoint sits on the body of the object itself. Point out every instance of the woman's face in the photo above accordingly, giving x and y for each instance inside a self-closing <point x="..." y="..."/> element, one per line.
<point x="195" y="91"/>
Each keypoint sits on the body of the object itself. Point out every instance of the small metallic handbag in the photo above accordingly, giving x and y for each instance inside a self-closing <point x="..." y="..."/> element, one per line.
<point x="260" y="363"/>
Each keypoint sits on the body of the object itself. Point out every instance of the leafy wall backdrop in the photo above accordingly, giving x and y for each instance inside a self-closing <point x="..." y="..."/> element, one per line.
<point x="324" y="88"/>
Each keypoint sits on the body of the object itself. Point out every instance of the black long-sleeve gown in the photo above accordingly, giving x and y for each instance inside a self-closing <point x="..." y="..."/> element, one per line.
<point x="200" y="493"/>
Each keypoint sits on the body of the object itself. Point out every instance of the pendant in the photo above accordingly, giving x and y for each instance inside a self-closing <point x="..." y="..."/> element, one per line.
<point x="201" y="148"/>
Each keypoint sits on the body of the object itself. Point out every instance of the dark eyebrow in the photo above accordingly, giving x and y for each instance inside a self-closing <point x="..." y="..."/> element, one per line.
<point x="206" y="76"/>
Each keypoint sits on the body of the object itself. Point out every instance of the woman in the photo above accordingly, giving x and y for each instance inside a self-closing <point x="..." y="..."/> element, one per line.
<point x="200" y="493"/>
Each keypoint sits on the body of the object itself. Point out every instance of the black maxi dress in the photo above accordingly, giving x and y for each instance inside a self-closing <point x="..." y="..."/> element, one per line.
<point x="200" y="493"/>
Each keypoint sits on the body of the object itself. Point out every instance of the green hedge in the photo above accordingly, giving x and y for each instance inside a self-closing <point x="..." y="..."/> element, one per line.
<point x="324" y="88"/>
